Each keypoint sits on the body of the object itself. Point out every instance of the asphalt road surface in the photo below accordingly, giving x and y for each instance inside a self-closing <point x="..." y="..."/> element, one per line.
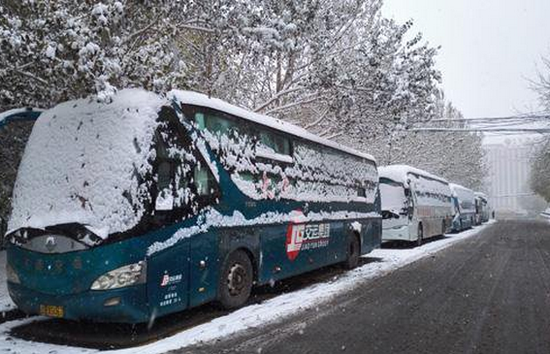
<point x="487" y="294"/>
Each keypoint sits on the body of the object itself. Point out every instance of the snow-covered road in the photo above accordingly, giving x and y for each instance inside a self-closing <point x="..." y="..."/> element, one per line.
<point x="275" y="309"/>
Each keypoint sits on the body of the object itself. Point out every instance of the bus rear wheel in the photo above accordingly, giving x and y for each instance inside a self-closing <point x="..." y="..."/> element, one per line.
<point x="236" y="278"/>
<point x="353" y="252"/>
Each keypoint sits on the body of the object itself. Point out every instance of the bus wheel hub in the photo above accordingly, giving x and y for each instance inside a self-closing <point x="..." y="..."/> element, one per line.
<point x="236" y="279"/>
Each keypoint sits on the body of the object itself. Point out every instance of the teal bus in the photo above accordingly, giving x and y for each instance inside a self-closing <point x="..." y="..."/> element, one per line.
<point x="150" y="205"/>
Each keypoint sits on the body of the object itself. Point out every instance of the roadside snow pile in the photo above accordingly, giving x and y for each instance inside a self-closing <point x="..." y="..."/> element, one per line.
<point x="5" y="301"/>
<point x="84" y="162"/>
<point x="254" y="316"/>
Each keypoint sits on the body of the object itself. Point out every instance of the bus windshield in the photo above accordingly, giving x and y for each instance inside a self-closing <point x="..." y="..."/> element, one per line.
<point x="393" y="196"/>
<point x="89" y="163"/>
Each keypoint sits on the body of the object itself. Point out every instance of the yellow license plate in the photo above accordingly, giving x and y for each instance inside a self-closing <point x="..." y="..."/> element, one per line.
<point x="51" y="311"/>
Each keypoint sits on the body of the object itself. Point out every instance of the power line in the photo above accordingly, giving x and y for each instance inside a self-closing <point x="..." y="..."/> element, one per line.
<point x="492" y="119"/>
<point x="482" y="130"/>
<point x="514" y="195"/>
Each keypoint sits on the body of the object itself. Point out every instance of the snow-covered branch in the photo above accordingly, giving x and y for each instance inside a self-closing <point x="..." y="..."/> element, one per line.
<point x="277" y="96"/>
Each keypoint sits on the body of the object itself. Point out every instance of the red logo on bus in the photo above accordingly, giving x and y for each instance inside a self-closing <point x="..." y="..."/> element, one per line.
<point x="301" y="236"/>
<point x="294" y="239"/>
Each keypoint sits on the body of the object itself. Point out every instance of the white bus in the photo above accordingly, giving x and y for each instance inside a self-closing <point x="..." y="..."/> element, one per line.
<point x="415" y="204"/>
<point x="464" y="207"/>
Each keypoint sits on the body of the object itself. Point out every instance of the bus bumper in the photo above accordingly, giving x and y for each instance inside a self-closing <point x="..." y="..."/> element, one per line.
<point x="127" y="305"/>
<point x="398" y="233"/>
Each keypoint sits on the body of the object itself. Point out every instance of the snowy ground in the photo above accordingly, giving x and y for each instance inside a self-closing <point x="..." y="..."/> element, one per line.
<point x="5" y="301"/>
<point x="275" y="309"/>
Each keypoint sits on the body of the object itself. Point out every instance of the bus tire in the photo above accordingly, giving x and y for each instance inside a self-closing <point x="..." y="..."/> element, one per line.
<point x="353" y="252"/>
<point x="236" y="279"/>
<point x="420" y="235"/>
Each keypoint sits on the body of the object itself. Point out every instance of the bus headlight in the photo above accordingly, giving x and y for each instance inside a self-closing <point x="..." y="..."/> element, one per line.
<point x="130" y="274"/>
<point x="11" y="275"/>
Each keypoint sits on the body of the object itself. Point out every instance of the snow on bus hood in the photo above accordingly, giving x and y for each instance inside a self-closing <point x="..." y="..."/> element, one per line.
<point x="82" y="161"/>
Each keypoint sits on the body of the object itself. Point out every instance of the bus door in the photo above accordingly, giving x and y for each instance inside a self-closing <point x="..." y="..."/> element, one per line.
<point x="168" y="279"/>
<point x="184" y="186"/>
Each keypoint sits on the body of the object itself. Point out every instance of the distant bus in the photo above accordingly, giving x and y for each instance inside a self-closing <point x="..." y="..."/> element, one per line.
<point x="127" y="211"/>
<point x="465" y="207"/>
<point x="14" y="116"/>
<point x="416" y="205"/>
<point x="483" y="213"/>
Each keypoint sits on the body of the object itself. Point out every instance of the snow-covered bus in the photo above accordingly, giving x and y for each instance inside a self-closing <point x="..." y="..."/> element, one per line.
<point x="464" y="207"/>
<point x="483" y="212"/>
<point x="150" y="204"/>
<point x="415" y="204"/>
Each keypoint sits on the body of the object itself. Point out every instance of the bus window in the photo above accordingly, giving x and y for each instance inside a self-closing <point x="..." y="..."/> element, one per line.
<point x="204" y="181"/>
<point x="277" y="143"/>
<point x="184" y="183"/>
<point x="213" y="123"/>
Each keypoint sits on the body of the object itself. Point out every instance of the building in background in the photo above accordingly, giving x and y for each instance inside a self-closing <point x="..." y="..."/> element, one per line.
<point x="509" y="170"/>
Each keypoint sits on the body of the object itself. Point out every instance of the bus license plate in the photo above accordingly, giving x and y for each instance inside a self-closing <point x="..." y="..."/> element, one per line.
<point x="51" y="311"/>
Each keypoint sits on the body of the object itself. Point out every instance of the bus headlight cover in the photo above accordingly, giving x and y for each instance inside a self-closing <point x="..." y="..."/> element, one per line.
<point x="130" y="274"/>
<point x="11" y="275"/>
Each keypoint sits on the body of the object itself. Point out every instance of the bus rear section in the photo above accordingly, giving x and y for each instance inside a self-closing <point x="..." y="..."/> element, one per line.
<point x="464" y="207"/>
<point x="482" y="208"/>
<point x="416" y="205"/>
<point x="148" y="206"/>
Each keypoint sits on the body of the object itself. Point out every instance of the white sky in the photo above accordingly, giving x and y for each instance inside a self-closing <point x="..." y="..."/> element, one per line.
<point x="489" y="49"/>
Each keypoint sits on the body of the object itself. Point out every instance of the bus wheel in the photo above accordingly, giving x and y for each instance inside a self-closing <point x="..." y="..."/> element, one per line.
<point x="353" y="252"/>
<point x="420" y="234"/>
<point x="235" y="282"/>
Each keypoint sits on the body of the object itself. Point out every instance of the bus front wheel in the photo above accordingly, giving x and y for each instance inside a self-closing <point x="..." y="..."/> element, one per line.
<point x="353" y="252"/>
<point x="236" y="278"/>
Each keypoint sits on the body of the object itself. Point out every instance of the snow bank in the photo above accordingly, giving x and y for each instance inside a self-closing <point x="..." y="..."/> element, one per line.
<point x="84" y="162"/>
<point x="254" y="316"/>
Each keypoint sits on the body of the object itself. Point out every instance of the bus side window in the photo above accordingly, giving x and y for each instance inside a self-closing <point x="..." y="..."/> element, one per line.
<point x="279" y="144"/>
<point x="204" y="180"/>
<point x="213" y="123"/>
